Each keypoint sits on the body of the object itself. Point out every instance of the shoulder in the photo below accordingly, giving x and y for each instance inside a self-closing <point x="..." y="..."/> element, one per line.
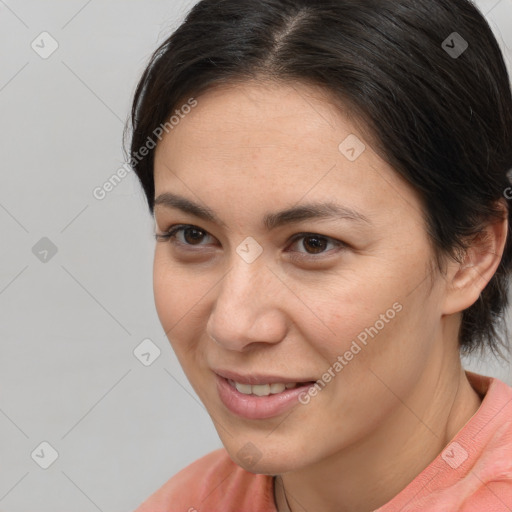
<point x="474" y="470"/>
<point x="484" y="471"/>
<point x="213" y="482"/>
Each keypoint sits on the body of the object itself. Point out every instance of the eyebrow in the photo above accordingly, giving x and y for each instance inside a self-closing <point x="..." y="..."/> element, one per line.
<point x="326" y="210"/>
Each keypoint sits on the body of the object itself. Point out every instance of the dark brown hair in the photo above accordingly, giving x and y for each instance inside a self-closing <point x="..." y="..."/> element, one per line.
<point x="427" y="78"/>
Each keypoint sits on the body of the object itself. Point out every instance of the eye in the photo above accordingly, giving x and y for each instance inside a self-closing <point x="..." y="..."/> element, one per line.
<point x="192" y="235"/>
<point x="314" y="244"/>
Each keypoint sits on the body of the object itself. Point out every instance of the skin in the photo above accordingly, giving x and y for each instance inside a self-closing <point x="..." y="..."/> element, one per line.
<point x="259" y="147"/>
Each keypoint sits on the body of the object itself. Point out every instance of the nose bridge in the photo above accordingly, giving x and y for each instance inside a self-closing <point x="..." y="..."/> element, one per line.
<point x="242" y="291"/>
<point x="247" y="298"/>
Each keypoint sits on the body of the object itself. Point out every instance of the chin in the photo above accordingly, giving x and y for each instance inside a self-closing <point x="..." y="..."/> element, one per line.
<point x="266" y="467"/>
<point x="264" y="461"/>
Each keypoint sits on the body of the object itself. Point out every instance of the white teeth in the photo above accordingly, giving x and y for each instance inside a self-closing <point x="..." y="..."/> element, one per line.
<point x="246" y="389"/>
<point x="277" y="388"/>
<point x="262" y="389"/>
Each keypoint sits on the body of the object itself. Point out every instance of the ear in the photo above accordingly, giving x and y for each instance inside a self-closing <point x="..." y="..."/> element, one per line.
<point x="466" y="280"/>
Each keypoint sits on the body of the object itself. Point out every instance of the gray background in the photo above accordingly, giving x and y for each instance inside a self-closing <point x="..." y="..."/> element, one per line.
<point x="70" y="321"/>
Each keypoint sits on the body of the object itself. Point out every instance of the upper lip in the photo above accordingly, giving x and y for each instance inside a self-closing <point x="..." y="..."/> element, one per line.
<point x="257" y="378"/>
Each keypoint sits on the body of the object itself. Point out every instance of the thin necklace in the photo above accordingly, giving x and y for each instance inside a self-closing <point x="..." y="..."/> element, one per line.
<point x="287" y="504"/>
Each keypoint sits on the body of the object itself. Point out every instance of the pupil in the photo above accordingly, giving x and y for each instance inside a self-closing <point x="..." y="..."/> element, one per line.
<point x="195" y="238"/>
<point x="318" y="244"/>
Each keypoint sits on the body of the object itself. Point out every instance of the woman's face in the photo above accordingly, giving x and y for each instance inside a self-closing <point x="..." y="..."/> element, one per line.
<point x="343" y="298"/>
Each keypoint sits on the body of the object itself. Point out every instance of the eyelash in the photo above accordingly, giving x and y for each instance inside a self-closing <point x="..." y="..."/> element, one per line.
<point x="170" y="236"/>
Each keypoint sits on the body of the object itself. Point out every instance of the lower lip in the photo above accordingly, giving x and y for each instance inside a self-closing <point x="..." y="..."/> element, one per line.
<point x="255" y="407"/>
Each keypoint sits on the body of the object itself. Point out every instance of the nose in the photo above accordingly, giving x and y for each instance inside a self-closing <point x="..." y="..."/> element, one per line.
<point x="248" y="308"/>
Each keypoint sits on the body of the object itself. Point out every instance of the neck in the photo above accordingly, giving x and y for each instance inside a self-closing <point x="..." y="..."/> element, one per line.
<point x="365" y="476"/>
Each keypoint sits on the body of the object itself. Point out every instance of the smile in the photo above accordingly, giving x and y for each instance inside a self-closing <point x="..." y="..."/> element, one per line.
<point x="262" y="389"/>
<point x="259" y="401"/>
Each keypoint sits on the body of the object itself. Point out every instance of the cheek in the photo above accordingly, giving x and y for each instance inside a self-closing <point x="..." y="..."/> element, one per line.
<point x="165" y="287"/>
<point x="181" y="301"/>
<point x="175" y="294"/>
<point x="376" y="321"/>
<point x="359" y="336"/>
<point x="350" y="306"/>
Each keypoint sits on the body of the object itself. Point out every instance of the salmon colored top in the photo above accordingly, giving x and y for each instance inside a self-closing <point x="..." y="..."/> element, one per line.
<point x="472" y="474"/>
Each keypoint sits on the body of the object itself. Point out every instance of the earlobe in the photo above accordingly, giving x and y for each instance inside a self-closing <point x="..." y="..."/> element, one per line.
<point x="467" y="279"/>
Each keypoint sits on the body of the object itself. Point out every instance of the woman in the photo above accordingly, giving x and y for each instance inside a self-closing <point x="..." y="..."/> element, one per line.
<point x="327" y="182"/>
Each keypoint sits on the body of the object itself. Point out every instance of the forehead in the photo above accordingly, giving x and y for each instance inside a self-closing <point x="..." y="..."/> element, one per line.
<point x="256" y="122"/>
<point x="259" y="112"/>
<point x="261" y="137"/>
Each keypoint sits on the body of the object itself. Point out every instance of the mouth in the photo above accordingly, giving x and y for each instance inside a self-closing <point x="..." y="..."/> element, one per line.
<point x="266" y="397"/>
<point x="260" y="379"/>
<point x="274" y="388"/>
